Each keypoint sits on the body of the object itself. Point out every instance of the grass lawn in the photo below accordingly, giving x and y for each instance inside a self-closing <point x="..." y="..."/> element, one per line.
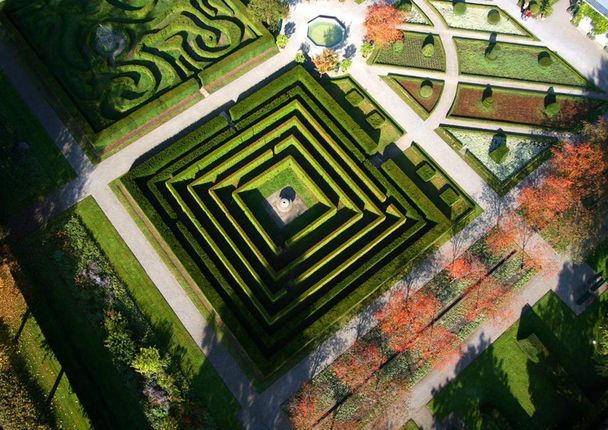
<point x="411" y="54"/>
<point x="476" y="18"/>
<point x="39" y="361"/>
<point x="99" y="384"/>
<point x="553" y="390"/>
<point x="599" y="259"/>
<point x="515" y="61"/>
<point x="521" y="106"/>
<point x="37" y="171"/>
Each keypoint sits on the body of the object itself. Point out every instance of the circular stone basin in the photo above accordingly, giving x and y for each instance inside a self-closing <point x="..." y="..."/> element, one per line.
<point x="284" y="204"/>
<point x="325" y="31"/>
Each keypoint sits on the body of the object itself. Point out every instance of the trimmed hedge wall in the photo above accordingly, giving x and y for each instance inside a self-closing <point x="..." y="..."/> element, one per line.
<point x="380" y="224"/>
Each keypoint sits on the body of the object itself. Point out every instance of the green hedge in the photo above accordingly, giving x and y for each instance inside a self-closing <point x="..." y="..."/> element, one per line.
<point x="269" y="340"/>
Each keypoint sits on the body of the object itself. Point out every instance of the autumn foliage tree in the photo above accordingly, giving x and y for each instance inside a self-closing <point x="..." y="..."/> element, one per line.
<point x="577" y="180"/>
<point x="402" y="320"/>
<point x="326" y="61"/>
<point x="382" y="22"/>
<point x="358" y="364"/>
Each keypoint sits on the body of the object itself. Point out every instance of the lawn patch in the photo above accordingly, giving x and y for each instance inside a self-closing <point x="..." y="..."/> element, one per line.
<point x="476" y="18"/>
<point x="538" y="374"/>
<point x="363" y="105"/>
<point x="82" y="250"/>
<point x="515" y="61"/>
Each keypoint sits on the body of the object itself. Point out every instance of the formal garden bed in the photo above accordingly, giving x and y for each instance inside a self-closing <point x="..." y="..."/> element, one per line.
<point x="416" y="50"/>
<point x="508" y="105"/>
<point x="238" y="258"/>
<point x="478" y="17"/>
<point x="421" y="94"/>
<point x="118" y="67"/>
<point x="515" y="61"/>
<point x="501" y="158"/>
<point x="30" y="160"/>
<point x="360" y="105"/>
<point x="415" y="15"/>
<point x="539" y="374"/>
<point x="415" y="332"/>
<point x="131" y="360"/>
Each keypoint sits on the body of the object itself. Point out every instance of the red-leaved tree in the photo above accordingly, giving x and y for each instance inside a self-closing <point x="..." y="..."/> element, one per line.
<point x="403" y="320"/>
<point x="358" y="364"/>
<point x="381" y="24"/>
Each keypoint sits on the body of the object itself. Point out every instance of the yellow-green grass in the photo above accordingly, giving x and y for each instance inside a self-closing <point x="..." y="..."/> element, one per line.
<point x="39" y="170"/>
<point x="388" y="133"/>
<point x="515" y="61"/>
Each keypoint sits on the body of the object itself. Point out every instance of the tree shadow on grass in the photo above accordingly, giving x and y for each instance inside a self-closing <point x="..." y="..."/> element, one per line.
<point x="479" y="393"/>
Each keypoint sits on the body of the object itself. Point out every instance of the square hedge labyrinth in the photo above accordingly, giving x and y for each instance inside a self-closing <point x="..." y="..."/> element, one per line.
<point x="281" y="279"/>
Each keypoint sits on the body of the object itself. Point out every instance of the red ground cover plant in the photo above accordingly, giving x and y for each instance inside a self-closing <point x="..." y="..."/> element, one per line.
<point x="519" y="107"/>
<point x="412" y="86"/>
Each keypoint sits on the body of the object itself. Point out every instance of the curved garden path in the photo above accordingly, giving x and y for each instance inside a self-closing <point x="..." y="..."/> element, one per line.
<point x="263" y="410"/>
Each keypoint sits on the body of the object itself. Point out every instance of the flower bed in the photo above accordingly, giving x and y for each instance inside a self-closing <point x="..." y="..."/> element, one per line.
<point x="408" y="88"/>
<point x="411" y="54"/>
<point x="476" y="18"/>
<point x="525" y="152"/>
<point x="376" y="373"/>
<point x="521" y="106"/>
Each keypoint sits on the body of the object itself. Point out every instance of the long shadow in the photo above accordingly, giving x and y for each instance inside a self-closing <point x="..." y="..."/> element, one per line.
<point x="479" y="393"/>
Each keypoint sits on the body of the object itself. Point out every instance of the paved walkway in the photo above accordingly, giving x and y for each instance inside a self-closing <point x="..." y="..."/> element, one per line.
<point x="262" y="410"/>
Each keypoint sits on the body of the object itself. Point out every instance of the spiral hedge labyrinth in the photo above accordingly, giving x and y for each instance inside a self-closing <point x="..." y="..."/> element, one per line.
<point x="281" y="288"/>
<point x="112" y="57"/>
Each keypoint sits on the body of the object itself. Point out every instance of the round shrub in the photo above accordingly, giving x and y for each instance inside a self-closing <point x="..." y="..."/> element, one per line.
<point x="492" y="52"/>
<point x="405" y="6"/>
<point x="488" y="101"/>
<point x="428" y="50"/>
<point x="552" y="109"/>
<point x="282" y="41"/>
<point x="544" y="59"/>
<point x="534" y="8"/>
<point x="493" y="16"/>
<point x="426" y="89"/>
<point x="397" y="46"/>
<point x="460" y="8"/>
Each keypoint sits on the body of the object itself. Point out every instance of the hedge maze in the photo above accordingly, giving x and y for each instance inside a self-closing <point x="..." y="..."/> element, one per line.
<point x="113" y="57"/>
<point x="281" y="279"/>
